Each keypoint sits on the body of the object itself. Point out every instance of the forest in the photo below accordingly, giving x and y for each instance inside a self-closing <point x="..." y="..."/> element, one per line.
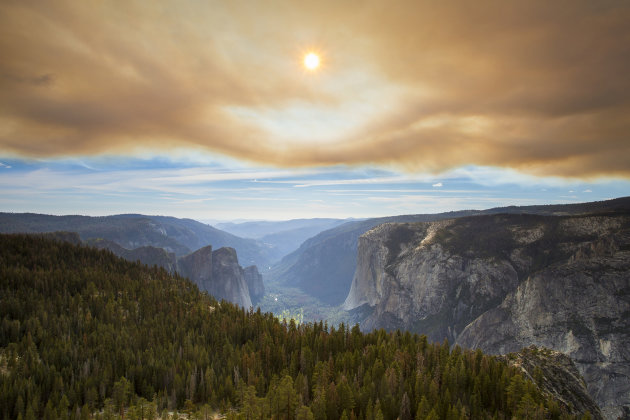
<point x="85" y="334"/>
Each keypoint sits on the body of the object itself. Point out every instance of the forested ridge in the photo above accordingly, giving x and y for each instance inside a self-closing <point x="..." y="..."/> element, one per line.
<point x="86" y="334"/>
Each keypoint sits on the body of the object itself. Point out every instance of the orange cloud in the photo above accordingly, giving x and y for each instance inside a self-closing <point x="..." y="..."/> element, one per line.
<point x="538" y="86"/>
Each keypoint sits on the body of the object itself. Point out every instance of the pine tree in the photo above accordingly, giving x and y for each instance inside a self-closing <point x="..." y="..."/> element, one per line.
<point x="423" y="408"/>
<point x="30" y="413"/>
<point x="378" y="414"/>
<point x="305" y="413"/>
<point x="405" y="408"/>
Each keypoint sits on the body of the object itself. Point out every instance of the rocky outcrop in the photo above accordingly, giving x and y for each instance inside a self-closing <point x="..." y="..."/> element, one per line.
<point x="557" y="376"/>
<point x="197" y="266"/>
<point x="254" y="282"/>
<point x="228" y="280"/>
<point x="217" y="273"/>
<point x="503" y="282"/>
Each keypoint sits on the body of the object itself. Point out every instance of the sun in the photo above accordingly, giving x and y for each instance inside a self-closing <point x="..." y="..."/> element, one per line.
<point x="311" y="61"/>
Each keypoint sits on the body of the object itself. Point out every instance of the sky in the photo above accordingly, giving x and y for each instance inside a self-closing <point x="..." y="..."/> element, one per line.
<point x="205" y="110"/>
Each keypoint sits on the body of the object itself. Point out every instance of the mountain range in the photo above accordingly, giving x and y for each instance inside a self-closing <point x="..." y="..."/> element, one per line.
<point x="131" y="231"/>
<point x="501" y="279"/>
<point x="283" y="236"/>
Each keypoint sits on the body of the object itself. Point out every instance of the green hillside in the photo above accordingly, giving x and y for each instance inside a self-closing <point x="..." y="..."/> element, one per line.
<point x="86" y="334"/>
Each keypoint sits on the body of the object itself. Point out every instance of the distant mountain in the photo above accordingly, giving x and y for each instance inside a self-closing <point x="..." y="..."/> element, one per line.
<point x="131" y="231"/>
<point x="284" y="236"/>
<point x="324" y="265"/>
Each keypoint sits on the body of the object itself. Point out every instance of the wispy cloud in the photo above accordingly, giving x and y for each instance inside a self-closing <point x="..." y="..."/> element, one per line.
<point x="233" y="192"/>
<point x="361" y="181"/>
<point x="200" y="175"/>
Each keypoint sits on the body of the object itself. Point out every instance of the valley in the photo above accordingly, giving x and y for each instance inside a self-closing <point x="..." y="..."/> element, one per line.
<point x="499" y="279"/>
<point x="315" y="210"/>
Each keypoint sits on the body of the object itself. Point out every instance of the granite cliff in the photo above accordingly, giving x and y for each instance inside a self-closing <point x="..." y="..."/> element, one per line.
<point x="228" y="280"/>
<point x="216" y="272"/>
<point x="324" y="265"/>
<point x="503" y="282"/>
<point x="197" y="266"/>
<point x="254" y="282"/>
<point x="557" y="376"/>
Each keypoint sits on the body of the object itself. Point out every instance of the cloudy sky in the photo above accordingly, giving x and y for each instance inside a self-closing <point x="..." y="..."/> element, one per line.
<point x="204" y="109"/>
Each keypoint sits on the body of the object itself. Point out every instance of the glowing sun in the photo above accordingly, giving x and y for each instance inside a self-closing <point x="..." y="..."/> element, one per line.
<point x="311" y="61"/>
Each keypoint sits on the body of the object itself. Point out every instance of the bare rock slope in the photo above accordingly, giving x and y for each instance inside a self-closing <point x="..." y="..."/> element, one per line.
<point x="504" y="282"/>
<point x="254" y="281"/>
<point x="557" y="376"/>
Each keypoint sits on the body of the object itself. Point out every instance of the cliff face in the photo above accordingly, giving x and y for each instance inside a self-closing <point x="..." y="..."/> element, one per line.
<point x="216" y="272"/>
<point x="228" y="280"/>
<point x="197" y="266"/>
<point x="413" y="282"/>
<point x="254" y="282"/>
<point x="581" y="309"/>
<point x="504" y="282"/>
<point x="324" y="265"/>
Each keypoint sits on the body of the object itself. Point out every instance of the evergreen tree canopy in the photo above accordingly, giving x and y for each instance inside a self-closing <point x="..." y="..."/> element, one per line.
<point x="85" y="333"/>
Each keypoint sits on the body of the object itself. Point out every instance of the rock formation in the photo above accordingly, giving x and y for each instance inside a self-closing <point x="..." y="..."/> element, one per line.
<point x="581" y="309"/>
<point x="254" y="282"/>
<point x="503" y="282"/>
<point x="324" y="265"/>
<point x="228" y="280"/>
<point x="557" y="376"/>
<point x="197" y="266"/>
<point x="218" y="272"/>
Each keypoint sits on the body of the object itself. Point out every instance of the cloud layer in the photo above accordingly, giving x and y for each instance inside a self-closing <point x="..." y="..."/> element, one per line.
<point x="538" y="86"/>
